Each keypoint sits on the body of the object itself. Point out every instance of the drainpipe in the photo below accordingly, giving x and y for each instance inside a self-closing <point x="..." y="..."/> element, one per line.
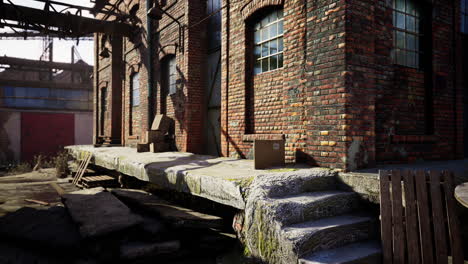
<point x="149" y="35"/>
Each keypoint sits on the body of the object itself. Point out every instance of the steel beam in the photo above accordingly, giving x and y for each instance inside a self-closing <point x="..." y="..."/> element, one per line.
<point x="40" y="35"/>
<point x="72" y="24"/>
<point x="45" y="64"/>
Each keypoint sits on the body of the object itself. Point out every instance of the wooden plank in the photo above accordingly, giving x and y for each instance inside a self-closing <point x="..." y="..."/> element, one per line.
<point x="440" y="234"/>
<point x="425" y="231"/>
<point x="36" y="201"/>
<point x="84" y="168"/>
<point x="411" y="218"/>
<point x="81" y="168"/>
<point x="452" y="215"/>
<point x="57" y="188"/>
<point x="78" y="171"/>
<point x="397" y="217"/>
<point x="386" y="217"/>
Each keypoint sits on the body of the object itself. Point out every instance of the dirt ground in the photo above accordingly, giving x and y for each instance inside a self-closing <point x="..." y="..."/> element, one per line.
<point x="45" y="232"/>
<point x="36" y="185"/>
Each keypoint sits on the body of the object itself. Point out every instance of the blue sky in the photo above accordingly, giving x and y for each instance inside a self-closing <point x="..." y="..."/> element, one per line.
<point x="32" y="49"/>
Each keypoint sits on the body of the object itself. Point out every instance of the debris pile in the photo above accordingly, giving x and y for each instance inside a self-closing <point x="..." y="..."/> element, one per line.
<point x="114" y="225"/>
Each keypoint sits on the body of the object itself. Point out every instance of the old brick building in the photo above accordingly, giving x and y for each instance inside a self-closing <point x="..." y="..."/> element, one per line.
<point x="348" y="84"/>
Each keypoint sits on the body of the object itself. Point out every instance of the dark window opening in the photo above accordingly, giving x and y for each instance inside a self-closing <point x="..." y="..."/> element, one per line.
<point x="168" y="80"/>
<point x="103" y="109"/>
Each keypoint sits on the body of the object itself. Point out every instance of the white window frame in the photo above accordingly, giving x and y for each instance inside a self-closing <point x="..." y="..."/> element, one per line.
<point x="269" y="59"/>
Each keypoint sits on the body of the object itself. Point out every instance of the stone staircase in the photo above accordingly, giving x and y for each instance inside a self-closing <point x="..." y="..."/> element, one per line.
<point x="314" y="222"/>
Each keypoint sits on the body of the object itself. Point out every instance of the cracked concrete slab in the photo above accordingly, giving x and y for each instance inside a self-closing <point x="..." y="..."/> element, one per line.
<point x="222" y="180"/>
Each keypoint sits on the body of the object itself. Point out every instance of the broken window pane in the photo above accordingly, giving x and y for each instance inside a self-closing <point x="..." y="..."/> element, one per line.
<point x="280" y="60"/>
<point x="273" y="47"/>
<point x="273" y="62"/>
<point x="265" y="65"/>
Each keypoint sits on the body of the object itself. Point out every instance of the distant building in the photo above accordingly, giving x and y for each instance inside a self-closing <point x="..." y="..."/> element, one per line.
<point x="348" y="84"/>
<point x="43" y="107"/>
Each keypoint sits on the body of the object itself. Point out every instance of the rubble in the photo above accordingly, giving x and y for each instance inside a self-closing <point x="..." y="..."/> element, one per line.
<point x="103" y="226"/>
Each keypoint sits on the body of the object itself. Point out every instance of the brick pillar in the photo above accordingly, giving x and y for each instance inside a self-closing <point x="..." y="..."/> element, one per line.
<point x="194" y="53"/>
<point x="116" y="91"/>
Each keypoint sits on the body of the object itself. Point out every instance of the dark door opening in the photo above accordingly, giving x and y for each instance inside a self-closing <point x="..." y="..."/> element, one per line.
<point x="212" y="126"/>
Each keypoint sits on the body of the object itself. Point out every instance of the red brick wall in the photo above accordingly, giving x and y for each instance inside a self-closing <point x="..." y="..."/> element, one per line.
<point x="261" y="104"/>
<point x="325" y="83"/>
<point x="396" y="96"/>
<point x="339" y="100"/>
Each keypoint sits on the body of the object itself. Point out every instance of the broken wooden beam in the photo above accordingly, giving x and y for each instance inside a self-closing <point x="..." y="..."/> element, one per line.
<point x="36" y="201"/>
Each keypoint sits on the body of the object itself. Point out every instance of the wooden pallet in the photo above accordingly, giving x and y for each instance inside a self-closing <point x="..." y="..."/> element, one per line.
<point x="101" y="180"/>
<point x="82" y="168"/>
<point x="424" y="229"/>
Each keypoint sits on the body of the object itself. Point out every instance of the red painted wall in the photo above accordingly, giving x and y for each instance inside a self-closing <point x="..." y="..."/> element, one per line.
<point x="45" y="133"/>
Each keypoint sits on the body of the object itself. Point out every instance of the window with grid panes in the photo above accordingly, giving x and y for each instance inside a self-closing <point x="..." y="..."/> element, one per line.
<point x="135" y="82"/>
<point x="172" y="75"/>
<point x="268" y="42"/>
<point x="464" y="16"/>
<point x="407" y="33"/>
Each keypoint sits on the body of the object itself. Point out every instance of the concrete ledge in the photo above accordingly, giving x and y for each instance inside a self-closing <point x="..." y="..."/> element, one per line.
<point x="223" y="180"/>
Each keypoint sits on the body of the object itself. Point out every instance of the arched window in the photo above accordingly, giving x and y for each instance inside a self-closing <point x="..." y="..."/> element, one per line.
<point x="268" y="42"/>
<point x="135" y="86"/>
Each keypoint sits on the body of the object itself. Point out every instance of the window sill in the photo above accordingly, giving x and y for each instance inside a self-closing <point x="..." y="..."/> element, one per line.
<point x="268" y="72"/>
<point x="252" y="137"/>
<point x="414" y="138"/>
<point x="133" y="137"/>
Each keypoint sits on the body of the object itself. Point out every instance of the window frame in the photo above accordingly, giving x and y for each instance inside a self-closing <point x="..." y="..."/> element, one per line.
<point x="417" y="33"/>
<point x="135" y="91"/>
<point x="257" y="46"/>
<point x="171" y="72"/>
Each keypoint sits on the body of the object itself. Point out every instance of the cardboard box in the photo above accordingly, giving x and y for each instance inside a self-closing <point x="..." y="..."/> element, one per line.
<point x="268" y="153"/>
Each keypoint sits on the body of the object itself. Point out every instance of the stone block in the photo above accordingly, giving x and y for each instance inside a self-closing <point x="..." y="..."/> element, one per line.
<point x="159" y="147"/>
<point x="142" y="147"/>
<point x="154" y="136"/>
<point x="161" y="123"/>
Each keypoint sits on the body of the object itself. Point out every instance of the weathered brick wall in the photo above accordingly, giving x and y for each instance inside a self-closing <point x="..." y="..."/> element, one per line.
<point x="173" y="105"/>
<point x="396" y="96"/>
<point x="339" y="100"/>
<point x="103" y="83"/>
<point x="135" y="55"/>
<point x="259" y="105"/>
<point x="325" y="91"/>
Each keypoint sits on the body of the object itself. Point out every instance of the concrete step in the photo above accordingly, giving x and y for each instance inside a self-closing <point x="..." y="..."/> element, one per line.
<point x="301" y="181"/>
<point x="368" y="252"/>
<point x="314" y="205"/>
<point x="329" y="233"/>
